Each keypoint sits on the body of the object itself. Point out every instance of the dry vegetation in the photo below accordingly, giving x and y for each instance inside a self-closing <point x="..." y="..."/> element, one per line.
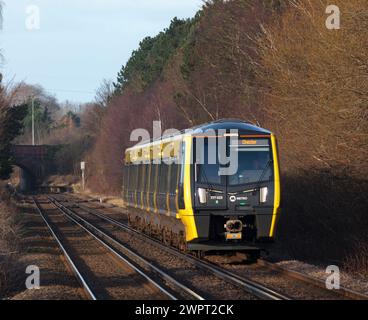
<point x="273" y="63"/>
<point x="315" y="99"/>
<point x="9" y="240"/>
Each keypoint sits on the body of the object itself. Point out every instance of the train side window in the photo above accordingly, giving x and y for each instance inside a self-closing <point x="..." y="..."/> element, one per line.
<point x="181" y="169"/>
<point x="153" y="178"/>
<point x="130" y="175"/>
<point x="163" y="177"/>
<point x="147" y="178"/>
<point x="132" y="178"/>
<point x="142" y="177"/>
<point x="168" y="177"/>
<point x="126" y="177"/>
<point x="160" y="179"/>
<point x="138" y="184"/>
<point x="173" y="178"/>
<point x="158" y="174"/>
<point x="136" y="173"/>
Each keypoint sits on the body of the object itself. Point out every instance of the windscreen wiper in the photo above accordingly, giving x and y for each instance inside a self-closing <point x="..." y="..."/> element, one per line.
<point x="206" y="178"/>
<point x="263" y="173"/>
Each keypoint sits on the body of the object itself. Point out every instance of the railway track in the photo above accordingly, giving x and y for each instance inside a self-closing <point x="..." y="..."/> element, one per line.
<point x="107" y="272"/>
<point x="87" y="290"/>
<point x="253" y="288"/>
<point x="344" y="292"/>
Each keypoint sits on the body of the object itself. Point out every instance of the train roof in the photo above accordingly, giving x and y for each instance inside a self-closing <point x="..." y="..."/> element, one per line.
<point x="228" y="124"/>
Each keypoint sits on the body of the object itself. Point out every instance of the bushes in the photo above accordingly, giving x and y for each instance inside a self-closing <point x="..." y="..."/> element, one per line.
<point x="357" y="261"/>
<point x="315" y="92"/>
<point x="126" y="113"/>
<point x="9" y="231"/>
<point x="315" y="96"/>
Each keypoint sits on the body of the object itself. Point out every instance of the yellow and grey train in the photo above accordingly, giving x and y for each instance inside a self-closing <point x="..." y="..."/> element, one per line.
<point x="190" y="204"/>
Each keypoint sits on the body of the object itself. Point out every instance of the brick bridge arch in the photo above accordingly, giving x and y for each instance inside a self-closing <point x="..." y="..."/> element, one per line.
<point x="34" y="164"/>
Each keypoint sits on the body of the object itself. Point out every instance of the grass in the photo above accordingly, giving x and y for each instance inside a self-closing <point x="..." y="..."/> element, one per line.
<point x="357" y="262"/>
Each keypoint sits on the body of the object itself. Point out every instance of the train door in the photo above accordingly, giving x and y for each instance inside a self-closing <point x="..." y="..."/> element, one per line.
<point x="173" y="187"/>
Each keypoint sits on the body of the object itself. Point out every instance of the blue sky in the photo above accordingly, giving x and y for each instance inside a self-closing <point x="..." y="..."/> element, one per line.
<point x="79" y="42"/>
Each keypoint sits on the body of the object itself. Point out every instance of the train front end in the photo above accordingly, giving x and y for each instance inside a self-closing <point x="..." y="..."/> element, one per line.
<point x="236" y="189"/>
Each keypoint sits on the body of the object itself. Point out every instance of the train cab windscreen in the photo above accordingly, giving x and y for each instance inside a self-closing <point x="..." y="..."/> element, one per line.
<point x="209" y="165"/>
<point x="253" y="157"/>
<point x="253" y="163"/>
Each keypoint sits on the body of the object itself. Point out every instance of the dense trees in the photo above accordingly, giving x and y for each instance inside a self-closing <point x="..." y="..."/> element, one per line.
<point x="315" y="81"/>
<point x="148" y="62"/>
<point x="315" y="96"/>
<point x="197" y="70"/>
<point x="219" y="62"/>
<point x="46" y="111"/>
<point x="11" y="124"/>
<point x="273" y="63"/>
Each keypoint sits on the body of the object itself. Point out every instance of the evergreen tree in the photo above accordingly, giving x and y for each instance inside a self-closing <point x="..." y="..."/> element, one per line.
<point x="11" y="124"/>
<point x="147" y="63"/>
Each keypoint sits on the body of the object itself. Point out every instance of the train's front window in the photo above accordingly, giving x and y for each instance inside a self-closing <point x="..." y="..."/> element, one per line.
<point x="209" y="167"/>
<point x="254" y="165"/>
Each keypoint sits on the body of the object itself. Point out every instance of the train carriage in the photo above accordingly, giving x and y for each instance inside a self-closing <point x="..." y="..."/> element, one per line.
<point x="177" y="189"/>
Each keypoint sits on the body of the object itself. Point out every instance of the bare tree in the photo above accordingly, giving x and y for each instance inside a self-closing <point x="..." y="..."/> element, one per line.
<point x="105" y="92"/>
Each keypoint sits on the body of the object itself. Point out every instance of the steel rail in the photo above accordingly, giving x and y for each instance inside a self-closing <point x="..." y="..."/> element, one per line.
<point x="72" y="265"/>
<point x="312" y="280"/>
<point x="250" y="286"/>
<point x="344" y="292"/>
<point x="70" y="213"/>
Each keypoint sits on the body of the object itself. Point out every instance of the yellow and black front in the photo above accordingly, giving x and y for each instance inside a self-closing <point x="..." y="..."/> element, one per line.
<point x="218" y="205"/>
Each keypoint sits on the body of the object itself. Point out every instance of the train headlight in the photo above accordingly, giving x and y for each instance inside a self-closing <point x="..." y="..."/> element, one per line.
<point x="202" y="194"/>
<point x="263" y="193"/>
